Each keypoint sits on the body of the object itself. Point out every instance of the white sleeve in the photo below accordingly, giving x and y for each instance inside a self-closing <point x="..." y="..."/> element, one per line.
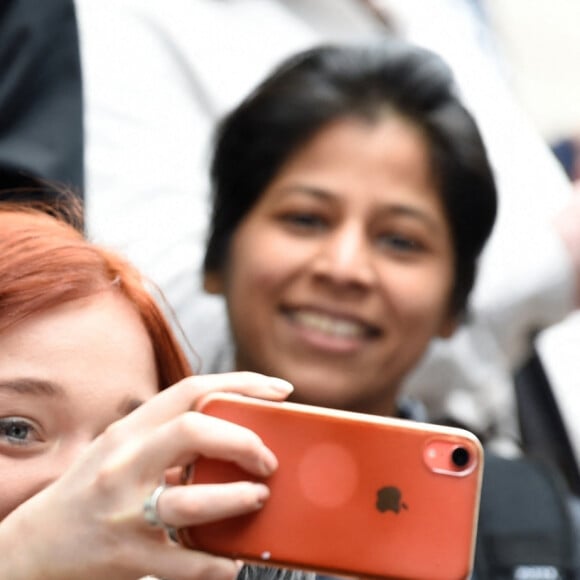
<point x="158" y="75"/>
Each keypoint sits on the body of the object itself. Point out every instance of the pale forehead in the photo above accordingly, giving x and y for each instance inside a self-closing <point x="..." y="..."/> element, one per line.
<point x="96" y="347"/>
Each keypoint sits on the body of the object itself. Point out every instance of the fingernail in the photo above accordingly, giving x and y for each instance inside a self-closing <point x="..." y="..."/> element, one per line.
<point x="269" y="462"/>
<point x="262" y="492"/>
<point x="281" y="385"/>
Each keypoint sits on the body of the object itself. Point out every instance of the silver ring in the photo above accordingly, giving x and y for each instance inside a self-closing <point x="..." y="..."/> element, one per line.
<point x="150" y="512"/>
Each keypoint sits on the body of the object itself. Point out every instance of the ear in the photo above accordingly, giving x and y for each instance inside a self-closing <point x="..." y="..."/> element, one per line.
<point x="213" y="283"/>
<point x="448" y="326"/>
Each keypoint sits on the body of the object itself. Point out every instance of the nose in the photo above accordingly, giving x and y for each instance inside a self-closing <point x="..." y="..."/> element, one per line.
<point x="344" y="258"/>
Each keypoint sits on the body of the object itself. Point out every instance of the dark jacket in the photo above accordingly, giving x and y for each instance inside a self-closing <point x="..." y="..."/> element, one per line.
<point x="41" y="104"/>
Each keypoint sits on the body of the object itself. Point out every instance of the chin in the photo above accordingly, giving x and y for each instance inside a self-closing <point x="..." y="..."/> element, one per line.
<point x="322" y="397"/>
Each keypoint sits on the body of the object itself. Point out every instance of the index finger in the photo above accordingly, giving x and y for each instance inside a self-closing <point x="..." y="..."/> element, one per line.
<point x="183" y="396"/>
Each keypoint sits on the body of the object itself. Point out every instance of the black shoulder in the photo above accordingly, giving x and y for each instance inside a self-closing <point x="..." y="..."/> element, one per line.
<point x="528" y="525"/>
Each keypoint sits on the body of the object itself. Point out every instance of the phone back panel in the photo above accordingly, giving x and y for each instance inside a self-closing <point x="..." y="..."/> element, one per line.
<point x="353" y="494"/>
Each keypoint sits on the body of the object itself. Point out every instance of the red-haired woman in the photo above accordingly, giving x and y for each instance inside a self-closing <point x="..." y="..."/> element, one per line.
<point x="86" y="439"/>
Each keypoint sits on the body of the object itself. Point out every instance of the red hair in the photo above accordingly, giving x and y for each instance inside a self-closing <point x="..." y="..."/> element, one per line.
<point x="46" y="262"/>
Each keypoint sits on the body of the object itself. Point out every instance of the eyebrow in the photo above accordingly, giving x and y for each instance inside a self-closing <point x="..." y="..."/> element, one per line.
<point x="396" y="209"/>
<point x="45" y="388"/>
<point x="32" y="386"/>
<point x="299" y="188"/>
<point x="408" y="211"/>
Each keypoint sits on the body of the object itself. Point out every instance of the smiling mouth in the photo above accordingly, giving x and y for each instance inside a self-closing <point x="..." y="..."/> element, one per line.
<point x="332" y="326"/>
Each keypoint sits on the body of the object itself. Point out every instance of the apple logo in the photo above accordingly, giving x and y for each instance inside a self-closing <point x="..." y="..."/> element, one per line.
<point x="389" y="499"/>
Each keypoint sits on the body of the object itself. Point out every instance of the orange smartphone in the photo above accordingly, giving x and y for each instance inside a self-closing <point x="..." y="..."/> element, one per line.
<point x="354" y="494"/>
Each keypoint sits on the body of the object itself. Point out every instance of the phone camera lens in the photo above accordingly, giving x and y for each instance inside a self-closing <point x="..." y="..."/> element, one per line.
<point x="460" y="457"/>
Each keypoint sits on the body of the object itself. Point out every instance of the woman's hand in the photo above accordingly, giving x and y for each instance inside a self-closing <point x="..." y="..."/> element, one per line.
<point x="90" y="522"/>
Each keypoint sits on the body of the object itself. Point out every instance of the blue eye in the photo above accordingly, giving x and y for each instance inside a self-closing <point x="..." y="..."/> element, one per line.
<point x="15" y="431"/>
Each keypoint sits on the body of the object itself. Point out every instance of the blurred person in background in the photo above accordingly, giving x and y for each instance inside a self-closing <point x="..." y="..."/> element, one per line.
<point x="351" y="198"/>
<point x="158" y="78"/>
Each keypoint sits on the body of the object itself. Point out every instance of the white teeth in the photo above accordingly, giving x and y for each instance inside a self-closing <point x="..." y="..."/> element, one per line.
<point x="329" y="325"/>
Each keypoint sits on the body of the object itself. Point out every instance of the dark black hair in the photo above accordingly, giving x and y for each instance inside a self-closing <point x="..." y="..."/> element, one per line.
<point x="327" y="83"/>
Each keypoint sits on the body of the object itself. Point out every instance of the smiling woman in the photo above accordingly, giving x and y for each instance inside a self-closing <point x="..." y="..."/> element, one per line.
<point x="352" y="196"/>
<point x="366" y="276"/>
<point x="87" y="442"/>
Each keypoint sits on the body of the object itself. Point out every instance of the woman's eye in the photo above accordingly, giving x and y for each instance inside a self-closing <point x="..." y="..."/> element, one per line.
<point x="304" y="220"/>
<point x="400" y="243"/>
<point x="16" y="431"/>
